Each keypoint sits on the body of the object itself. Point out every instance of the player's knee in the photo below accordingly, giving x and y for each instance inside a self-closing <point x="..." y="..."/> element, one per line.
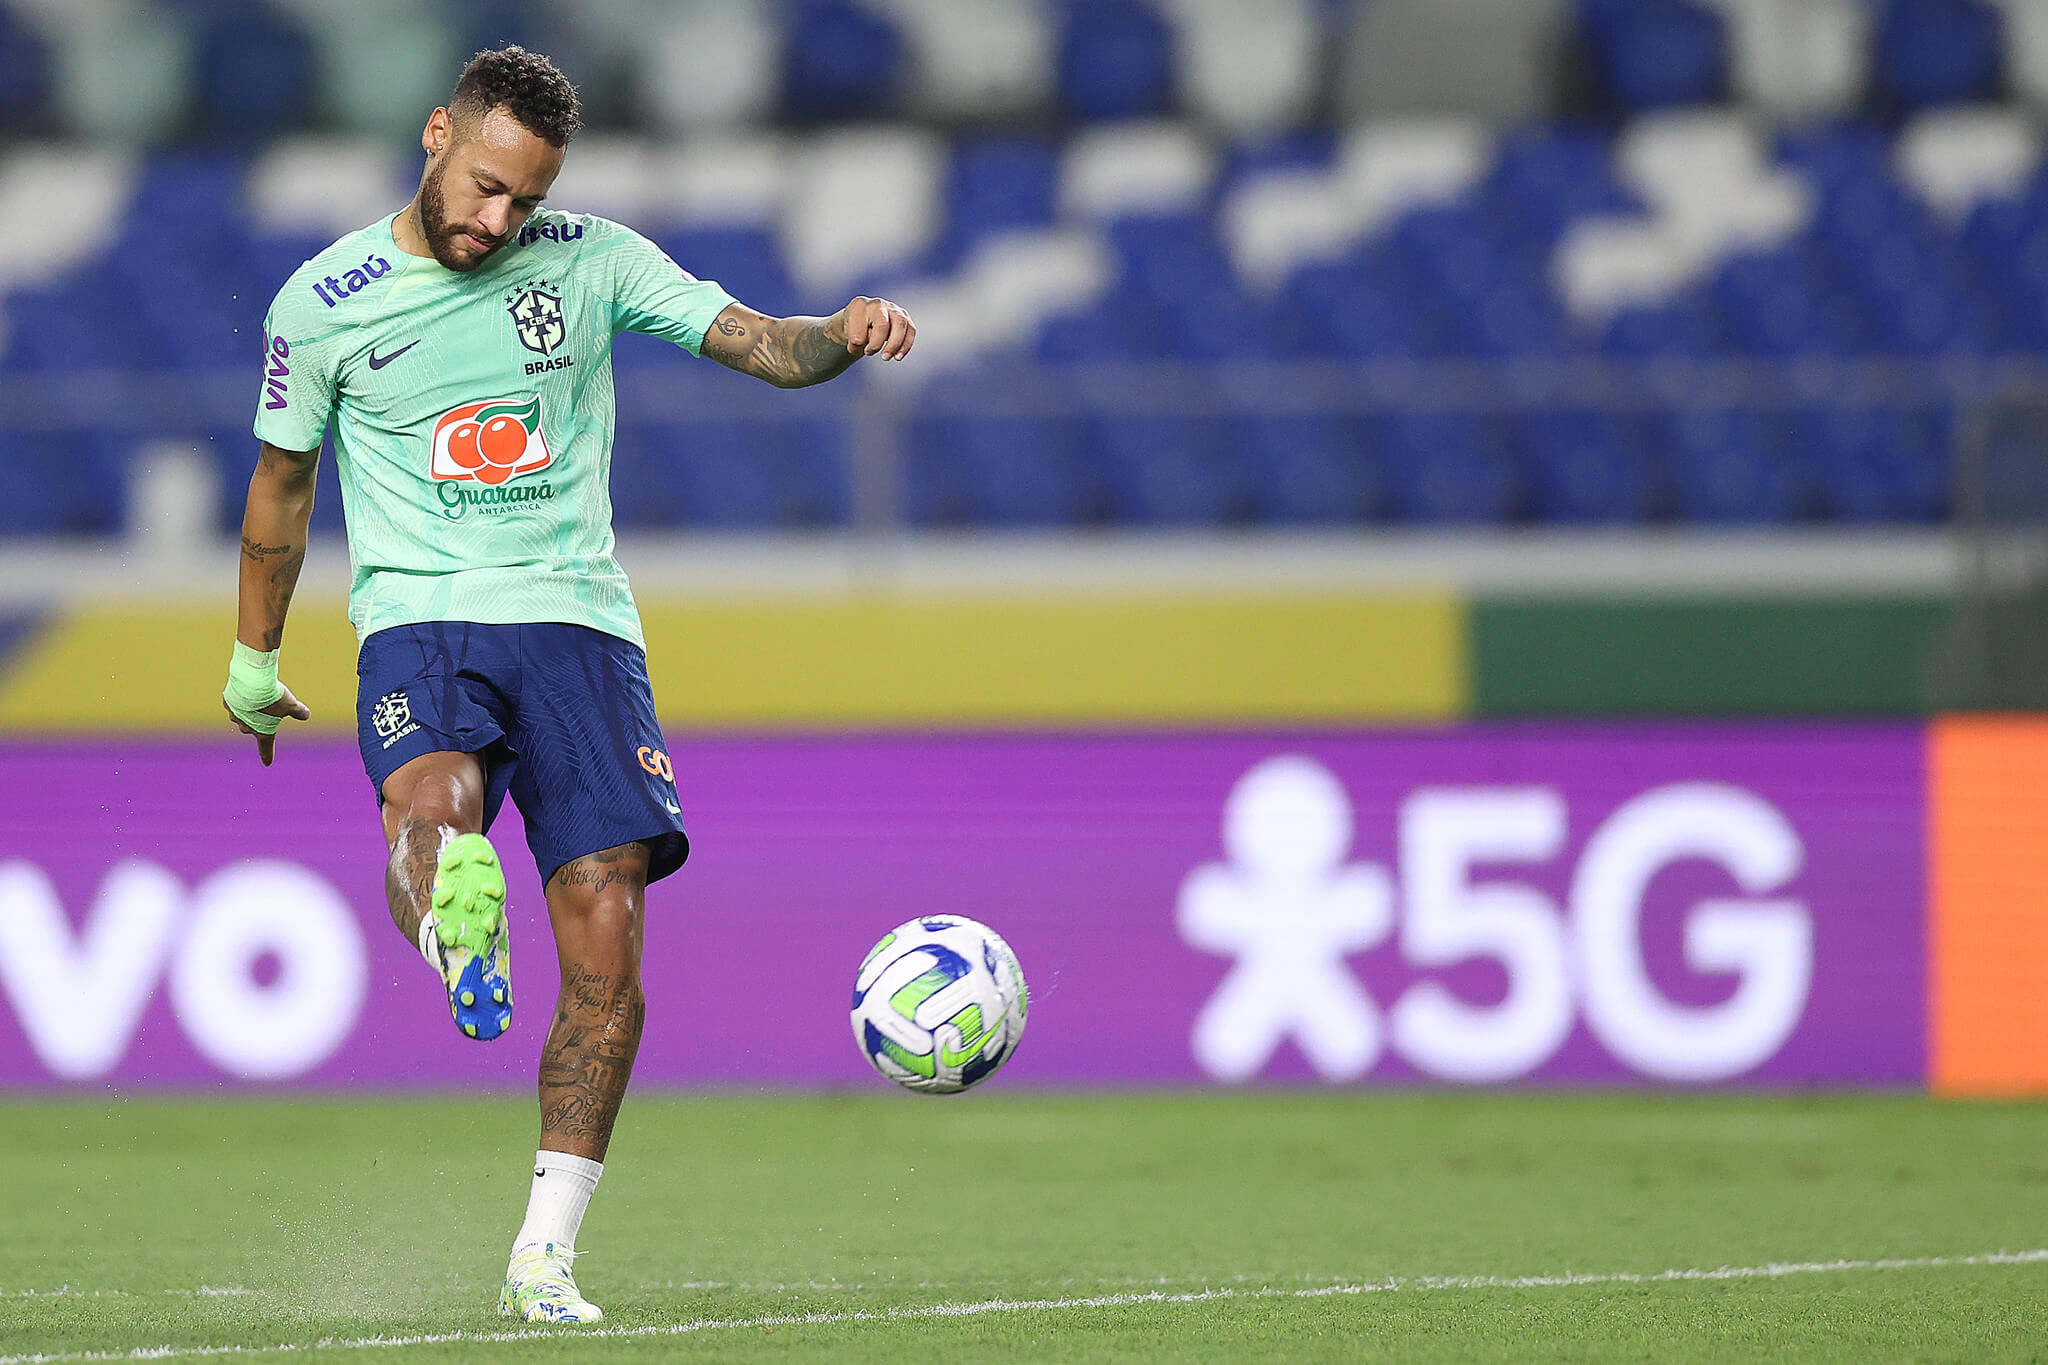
<point x="443" y="799"/>
<point x="606" y="926"/>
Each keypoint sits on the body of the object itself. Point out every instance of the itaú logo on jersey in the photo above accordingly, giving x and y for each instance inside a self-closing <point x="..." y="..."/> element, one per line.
<point x="490" y="442"/>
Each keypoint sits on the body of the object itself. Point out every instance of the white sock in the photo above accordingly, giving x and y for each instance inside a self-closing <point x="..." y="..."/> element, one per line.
<point x="429" y="945"/>
<point x="562" y="1186"/>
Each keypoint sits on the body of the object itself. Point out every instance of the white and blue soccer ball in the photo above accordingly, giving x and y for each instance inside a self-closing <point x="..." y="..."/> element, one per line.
<point x="939" y="1004"/>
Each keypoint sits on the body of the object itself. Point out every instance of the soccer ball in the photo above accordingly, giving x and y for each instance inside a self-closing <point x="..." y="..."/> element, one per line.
<point x="939" y="1004"/>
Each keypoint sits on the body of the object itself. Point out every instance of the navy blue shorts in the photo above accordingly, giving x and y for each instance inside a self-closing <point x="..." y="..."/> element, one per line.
<point x="561" y="716"/>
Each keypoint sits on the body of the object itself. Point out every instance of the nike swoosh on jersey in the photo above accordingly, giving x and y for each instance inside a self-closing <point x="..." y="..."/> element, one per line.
<point x="378" y="362"/>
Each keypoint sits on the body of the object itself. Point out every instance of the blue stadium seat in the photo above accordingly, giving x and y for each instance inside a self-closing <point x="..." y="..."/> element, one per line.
<point x="1878" y="465"/>
<point x="254" y="71"/>
<point x="747" y="261"/>
<point x="1115" y="60"/>
<point x="1689" y="325"/>
<point x="840" y="60"/>
<point x="1124" y="326"/>
<point x="1216" y="320"/>
<point x="1586" y="467"/>
<point x="643" y="496"/>
<point x="24" y="75"/>
<point x="1448" y="469"/>
<point x="1169" y="471"/>
<point x="1732" y="466"/>
<point x="998" y="184"/>
<point x="737" y="475"/>
<point x="1310" y="470"/>
<point x="62" y="484"/>
<point x="1357" y="311"/>
<point x="998" y="472"/>
<point x="1933" y="52"/>
<point x="47" y="331"/>
<point x="1656" y="54"/>
<point x="1544" y="179"/>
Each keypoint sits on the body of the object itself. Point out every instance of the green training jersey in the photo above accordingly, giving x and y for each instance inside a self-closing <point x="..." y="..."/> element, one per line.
<point x="472" y="414"/>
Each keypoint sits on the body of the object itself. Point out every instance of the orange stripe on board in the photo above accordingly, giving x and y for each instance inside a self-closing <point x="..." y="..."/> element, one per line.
<point x="1988" y="911"/>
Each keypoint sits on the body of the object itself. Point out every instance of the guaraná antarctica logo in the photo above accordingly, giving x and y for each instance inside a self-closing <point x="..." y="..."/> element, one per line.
<point x="489" y="443"/>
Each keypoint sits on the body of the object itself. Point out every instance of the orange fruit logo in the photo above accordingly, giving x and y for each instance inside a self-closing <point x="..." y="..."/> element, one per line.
<point x="490" y="442"/>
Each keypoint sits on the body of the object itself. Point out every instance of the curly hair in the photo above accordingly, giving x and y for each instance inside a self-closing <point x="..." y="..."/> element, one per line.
<point x="526" y="85"/>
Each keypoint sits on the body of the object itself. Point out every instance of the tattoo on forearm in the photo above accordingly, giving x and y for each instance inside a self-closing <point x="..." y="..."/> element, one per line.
<point x="258" y="551"/>
<point x="790" y="353"/>
<point x="278" y="588"/>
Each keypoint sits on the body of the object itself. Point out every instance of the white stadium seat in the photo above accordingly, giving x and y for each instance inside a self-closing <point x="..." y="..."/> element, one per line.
<point x="1955" y="159"/>
<point x="977" y="59"/>
<point x="1249" y="69"/>
<point x="861" y="200"/>
<point x="1276" y="223"/>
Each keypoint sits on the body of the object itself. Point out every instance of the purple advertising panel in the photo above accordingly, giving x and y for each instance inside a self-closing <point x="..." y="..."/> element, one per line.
<point x="1596" y="904"/>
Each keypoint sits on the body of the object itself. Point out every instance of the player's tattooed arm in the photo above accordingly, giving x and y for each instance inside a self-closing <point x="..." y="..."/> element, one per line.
<point x="274" y="526"/>
<point x="794" y="353"/>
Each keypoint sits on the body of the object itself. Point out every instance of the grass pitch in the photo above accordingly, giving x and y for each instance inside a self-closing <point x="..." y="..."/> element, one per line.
<point x="1214" y="1226"/>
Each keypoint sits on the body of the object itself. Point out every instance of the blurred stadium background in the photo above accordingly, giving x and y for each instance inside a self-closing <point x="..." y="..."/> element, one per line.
<point x="1566" y="478"/>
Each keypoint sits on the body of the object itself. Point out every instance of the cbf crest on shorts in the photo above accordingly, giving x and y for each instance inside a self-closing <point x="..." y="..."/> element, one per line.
<point x="392" y="718"/>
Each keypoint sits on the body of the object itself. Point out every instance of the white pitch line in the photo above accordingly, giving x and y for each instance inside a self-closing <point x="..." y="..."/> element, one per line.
<point x="1396" y="1284"/>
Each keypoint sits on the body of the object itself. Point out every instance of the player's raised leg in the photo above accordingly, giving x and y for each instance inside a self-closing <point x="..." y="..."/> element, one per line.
<point x="446" y="888"/>
<point x="597" y="905"/>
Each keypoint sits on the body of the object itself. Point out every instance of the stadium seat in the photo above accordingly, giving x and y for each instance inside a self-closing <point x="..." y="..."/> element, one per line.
<point x="1448" y="469"/>
<point x="680" y="93"/>
<point x="1656" y="54"/>
<point x="1248" y="68"/>
<point x="1170" y="471"/>
<point x="998" y="472"/>
<point x="62" y="484"/>
<point x="997" y="184"/>
<point x="1937" y="51"/>
<point x="1586" y="467"/>
<point x="24" y="76"/>
<point x="736" y="475"/>
<point x="745" y="261"/>
<point x="1884" y="465"/>
<point x="1798" y="61"/>
<point x="1115" y="60"/>
<point x="1733" y="466"/>
<point x="978" y="59"/>
<point x="122" y="74"/>
<point x="840" y="60"/>
<point x="1310" y="470"/>
<point x="253" y="72"/>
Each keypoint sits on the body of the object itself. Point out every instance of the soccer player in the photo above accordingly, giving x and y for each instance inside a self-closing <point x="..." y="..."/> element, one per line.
<point x="461" y="349"/>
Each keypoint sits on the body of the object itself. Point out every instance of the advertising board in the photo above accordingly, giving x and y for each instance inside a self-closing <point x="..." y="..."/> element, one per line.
<point x="1585" y="904"/>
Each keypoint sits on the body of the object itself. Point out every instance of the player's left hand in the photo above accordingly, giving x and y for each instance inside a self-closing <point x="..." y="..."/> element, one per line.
<point x="879" y="328"/>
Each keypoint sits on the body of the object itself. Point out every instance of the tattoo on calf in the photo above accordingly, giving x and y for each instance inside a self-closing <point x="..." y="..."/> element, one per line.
<point x="409" y="877"/>
<point x="589" y="1054"/>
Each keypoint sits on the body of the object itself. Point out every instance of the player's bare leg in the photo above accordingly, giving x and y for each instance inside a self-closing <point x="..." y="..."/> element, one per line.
<point x="445" y="887"/>
<point x="597" y="905"/>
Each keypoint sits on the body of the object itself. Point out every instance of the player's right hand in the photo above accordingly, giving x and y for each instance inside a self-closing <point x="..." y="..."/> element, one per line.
<point x="286" y="707"/>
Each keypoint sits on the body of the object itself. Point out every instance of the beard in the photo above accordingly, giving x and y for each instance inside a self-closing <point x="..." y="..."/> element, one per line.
<point x="440" y="233"/>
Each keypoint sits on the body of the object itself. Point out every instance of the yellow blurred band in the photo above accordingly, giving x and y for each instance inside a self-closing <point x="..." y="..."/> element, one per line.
<point x="846" y="662"/>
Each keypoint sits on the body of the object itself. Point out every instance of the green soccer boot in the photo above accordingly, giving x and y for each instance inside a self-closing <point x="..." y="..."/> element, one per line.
<point x="469" y="930"/>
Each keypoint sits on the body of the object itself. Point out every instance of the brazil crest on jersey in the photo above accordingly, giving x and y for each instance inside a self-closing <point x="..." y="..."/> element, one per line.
<point x="473" y="414"/>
